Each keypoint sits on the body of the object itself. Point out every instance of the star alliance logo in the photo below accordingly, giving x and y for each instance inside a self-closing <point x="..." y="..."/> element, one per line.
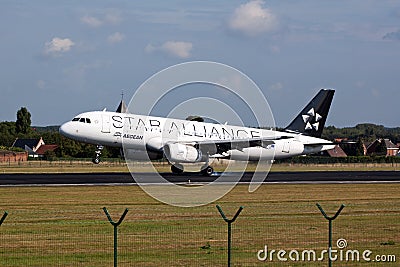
<point x="311" y="119"/>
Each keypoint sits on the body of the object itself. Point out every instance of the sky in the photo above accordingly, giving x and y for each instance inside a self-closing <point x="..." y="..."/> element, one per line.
<point x="61" y="58"/>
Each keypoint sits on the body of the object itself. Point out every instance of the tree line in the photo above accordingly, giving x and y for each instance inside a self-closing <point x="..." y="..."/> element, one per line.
<point x="366" y="131"/>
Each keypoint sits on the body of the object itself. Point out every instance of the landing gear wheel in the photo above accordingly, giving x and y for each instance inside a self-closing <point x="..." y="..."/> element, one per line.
<point x="96" y="159"/>
<point x="207" y="171"/>
<point x="177" y="168"/>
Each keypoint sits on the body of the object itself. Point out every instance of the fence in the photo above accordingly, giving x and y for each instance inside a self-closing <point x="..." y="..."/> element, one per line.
<point x="66" y="226"/>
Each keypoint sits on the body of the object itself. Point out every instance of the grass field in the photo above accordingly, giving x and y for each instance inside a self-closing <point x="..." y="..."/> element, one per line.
<point x="66" y="226"/>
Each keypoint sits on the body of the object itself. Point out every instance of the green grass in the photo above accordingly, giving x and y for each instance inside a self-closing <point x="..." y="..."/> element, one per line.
<point x="66" y="226"/>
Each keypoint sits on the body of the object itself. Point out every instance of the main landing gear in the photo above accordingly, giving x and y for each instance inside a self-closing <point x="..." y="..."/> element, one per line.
<point x="177" y="168"/>
<point x="206" y="170"/>
<point x="96" y="159"/>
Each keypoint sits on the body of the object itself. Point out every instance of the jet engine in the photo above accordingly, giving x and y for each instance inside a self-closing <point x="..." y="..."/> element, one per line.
<point x="176" y="152"/>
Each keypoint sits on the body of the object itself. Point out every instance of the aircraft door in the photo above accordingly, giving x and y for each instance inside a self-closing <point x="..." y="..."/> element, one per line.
<point x="106" y="123"/>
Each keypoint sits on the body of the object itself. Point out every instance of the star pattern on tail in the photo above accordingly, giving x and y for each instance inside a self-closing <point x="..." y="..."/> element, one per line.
<point x="311" y="119"/>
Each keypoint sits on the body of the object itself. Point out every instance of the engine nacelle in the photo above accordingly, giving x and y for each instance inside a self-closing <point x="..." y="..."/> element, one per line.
<point x="183" y="153"/>
<point x="288" y="148"/>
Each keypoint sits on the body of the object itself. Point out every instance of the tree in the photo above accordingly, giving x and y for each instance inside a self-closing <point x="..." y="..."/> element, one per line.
<point x="23" y="123"/>
<point x="380" y="148"/>
<point x="7" y="133"/>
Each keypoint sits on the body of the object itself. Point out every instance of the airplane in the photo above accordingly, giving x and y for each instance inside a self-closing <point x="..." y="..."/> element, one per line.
<point x="193" y="141"/>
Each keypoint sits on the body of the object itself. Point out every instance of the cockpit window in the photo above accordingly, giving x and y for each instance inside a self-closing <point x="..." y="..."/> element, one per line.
<point x="84" y="120"/>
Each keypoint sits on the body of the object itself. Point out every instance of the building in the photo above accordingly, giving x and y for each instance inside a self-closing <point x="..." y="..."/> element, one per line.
<point x="392" y="149"/>
<point x="29" y="145"/>
<point x="336" y="152"/>
<point x="352" y="147"/>
<point x="382" y="147"/>
<point x="41" y="151"/>
<point x="12" y="156"/>
<point x="36" y="148"/>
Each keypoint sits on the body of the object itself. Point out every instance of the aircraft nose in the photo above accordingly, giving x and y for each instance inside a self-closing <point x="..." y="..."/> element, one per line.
<point x="65" y="129"/>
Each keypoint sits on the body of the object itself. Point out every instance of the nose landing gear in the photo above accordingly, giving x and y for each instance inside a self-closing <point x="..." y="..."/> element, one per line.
<point x="96" y="159"/>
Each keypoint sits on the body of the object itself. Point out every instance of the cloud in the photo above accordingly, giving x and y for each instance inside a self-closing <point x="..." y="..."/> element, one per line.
<point x="375" y="92"/>
<point x="115" y="38"/>
<point x="360" y="84"/>
<point x="80" y="72"/>
<point x="41" y="84"/>
<point x="275" y="49"/>
<point x="57" y="46"/>
<point x="276" y="86"/>
<point x="173" y="48"/>
<point x="252" y="19"/>
<point x="111" y="17"/>
<point x="179" y="49"/>
<point x="394" y="36"/>
<point x="91" y="21"/>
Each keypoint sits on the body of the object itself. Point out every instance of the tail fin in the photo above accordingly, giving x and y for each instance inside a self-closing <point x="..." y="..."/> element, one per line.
<point x="311" y="119"/>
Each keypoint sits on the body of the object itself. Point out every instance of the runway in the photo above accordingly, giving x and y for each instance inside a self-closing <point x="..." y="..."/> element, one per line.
<point x="150" y="178"/>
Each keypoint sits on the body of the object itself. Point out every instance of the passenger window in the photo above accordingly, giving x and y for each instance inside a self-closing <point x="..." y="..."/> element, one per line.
<point x="87" y="120"/>
<point x="82" y="120"/>
<point x="75" y="119"/>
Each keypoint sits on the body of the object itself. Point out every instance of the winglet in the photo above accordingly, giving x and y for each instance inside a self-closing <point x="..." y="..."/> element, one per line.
<point x="311" y="120"/>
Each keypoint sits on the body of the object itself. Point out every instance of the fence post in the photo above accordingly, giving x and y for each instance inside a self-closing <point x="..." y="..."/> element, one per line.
<point x="330" y="219"/>
<point x="115" y="224"/>
<point x="229" y="229"/>
<point x="3" y="217"/>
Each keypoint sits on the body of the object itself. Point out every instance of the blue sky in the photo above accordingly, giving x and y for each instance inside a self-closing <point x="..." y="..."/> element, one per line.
<point x="60" y="58"/>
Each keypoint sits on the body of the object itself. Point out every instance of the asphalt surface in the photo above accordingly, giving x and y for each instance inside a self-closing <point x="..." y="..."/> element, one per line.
<point x="126" y="178"/>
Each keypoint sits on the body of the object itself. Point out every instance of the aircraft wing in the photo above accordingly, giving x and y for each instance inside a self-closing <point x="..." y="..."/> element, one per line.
<point x="212" y="147"/>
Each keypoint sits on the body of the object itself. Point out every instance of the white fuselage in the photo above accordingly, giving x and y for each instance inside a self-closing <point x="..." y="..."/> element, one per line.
<point x="148" y="133"/>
